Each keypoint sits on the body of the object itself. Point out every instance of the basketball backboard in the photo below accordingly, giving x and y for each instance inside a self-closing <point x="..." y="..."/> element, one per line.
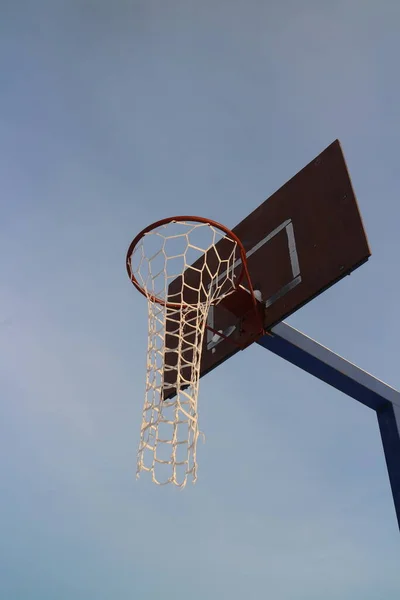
<point x="307" y="236"/>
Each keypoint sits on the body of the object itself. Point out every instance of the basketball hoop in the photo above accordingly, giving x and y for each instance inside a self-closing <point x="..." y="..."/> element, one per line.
<point x="183" y="265"/>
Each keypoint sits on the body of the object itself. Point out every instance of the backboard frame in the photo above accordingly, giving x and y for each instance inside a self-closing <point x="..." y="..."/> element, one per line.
<point x="310" y="234"/>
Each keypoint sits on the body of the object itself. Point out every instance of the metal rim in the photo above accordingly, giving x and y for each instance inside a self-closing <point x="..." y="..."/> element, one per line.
<point x="136" y="240"/>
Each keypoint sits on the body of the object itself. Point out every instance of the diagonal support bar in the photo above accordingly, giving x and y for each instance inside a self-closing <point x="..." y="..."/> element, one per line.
<point x="309" y="355"/>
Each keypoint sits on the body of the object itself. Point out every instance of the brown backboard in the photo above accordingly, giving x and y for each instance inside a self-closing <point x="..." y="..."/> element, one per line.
<point x="307" y="236"/>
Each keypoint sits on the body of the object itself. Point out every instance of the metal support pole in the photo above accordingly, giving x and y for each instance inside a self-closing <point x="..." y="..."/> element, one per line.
<point x="389" y="425"/>
<point x="309" y="355"/>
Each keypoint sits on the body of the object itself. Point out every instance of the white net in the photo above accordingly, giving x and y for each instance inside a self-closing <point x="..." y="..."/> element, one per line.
<point x="191" y="264"/>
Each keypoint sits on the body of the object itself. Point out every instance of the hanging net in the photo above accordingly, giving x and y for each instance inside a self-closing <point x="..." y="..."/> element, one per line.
<point x="183" y="267"/>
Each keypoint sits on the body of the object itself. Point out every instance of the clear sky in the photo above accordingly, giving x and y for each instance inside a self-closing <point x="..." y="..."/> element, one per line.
<point x="115" y="114"/>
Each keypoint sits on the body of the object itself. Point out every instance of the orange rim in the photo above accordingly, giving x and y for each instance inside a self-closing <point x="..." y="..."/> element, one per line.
<point x="243" y="273"/>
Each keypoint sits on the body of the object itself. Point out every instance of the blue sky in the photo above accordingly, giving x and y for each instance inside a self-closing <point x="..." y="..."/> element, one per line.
<point x="113" y="115"/>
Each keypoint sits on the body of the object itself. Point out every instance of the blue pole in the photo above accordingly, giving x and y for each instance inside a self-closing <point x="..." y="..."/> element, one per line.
<point x="309" y="355"/>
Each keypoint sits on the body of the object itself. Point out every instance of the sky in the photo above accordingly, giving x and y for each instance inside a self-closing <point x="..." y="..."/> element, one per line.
<point x="116" y="114"/>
